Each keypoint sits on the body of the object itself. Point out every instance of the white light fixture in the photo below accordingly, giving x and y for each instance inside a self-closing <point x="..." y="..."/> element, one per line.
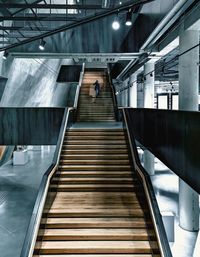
<point x="5" y="55"/>
<point x="116" y="24"/>
<point x="129" y="18"/>
<point x="42" y="44"/>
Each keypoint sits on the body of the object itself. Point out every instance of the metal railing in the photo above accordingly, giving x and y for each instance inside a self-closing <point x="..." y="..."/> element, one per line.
<point x="149" y="192"/>
<point x="113" y="97"/>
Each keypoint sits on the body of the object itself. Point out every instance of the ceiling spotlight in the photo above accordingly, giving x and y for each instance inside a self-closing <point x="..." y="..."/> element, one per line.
<point x="129" y="18"/>
<point x="42" y="44"/>
<point x="5" y="55"/>
<point x="116" y="24"/>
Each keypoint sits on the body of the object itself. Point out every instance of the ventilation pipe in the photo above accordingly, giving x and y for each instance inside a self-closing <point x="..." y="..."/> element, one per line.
<point x="165" y="24"/>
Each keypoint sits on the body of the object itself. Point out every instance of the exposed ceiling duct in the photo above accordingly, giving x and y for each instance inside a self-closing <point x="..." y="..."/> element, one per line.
<point x="166" y="23"/>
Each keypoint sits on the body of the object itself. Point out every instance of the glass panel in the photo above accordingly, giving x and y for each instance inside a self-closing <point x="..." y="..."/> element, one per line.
<point x="174" y="102"/>
<point x="162" y="102"/>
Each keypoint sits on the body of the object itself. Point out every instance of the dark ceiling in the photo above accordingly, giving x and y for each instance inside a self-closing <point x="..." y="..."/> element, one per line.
<point x="26" y="20"/>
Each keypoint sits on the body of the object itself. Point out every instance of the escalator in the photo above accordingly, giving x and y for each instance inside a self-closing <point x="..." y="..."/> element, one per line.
<point x="96" y="205"/>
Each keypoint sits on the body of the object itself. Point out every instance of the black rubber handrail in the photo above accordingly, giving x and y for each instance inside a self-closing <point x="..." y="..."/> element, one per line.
<point x="155" y="212"/>
<point x="114" y="98"/>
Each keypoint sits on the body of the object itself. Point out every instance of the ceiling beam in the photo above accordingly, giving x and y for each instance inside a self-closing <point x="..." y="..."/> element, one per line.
<point x="83" y="21"/>
<point x="119" y="56"/>
<point x="13" y="28"/>
<point x="48" y="17"/>
<point x="50" y="6"/>
<point x="4" y="42"/>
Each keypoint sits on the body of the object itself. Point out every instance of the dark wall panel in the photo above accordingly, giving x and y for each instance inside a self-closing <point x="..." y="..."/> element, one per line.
<point x="30" y="126"/>
<point x="2" y="86"/>
<point x="69" y="73"/>
<point x="172" y="136"/>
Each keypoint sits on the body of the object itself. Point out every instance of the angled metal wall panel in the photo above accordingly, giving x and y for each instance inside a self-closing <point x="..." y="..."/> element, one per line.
<point x="173" y="137"/>
<point x="30" y="126"/>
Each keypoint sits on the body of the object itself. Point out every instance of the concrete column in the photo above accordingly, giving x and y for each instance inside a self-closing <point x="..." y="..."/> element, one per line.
<point x="149" y="103"/>
<point x="196" y="252"/>
<point x="189" y="71"/>
<point x="188" y="100"/>
<point x="140" y="95"/>
<point x="188" y="207"/>
<point x="133" y="91"/>
<point x="149" y="85"/>
<point x="124" y="94"/>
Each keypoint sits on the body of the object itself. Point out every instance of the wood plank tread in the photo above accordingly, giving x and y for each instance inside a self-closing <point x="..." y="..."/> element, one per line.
<point x="57" y="212"/>
<point x="108" y="222"/>
<point x="95" y="247"/>
<point x="94" y="167"/>
<point x="94" y="174"/>
<point x="99" y="255"/>
<point x="95" y="234"/>
<point x="95" y="156"/>
<point x="93" y="180"/>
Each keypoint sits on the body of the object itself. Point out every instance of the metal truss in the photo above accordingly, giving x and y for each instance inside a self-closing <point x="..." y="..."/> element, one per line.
<point x="22" y="29"/>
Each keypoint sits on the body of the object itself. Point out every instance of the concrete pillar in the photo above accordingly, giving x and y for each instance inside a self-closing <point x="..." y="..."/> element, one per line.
<point x="188" y="207"/>
<point x="149" y="103"/>
<point x="133" y="91"/>
<point x="196" y="252"/>
<point x="140" y="95"/>
<point x="124" y="94"/>
<point x="188" y="100"/>
<point x="149" y="85"/>
<point x="126" y="91"/>
<point x="189" y="71"/>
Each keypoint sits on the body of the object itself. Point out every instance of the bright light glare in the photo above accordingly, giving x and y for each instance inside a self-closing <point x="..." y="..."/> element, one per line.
<point x="115" y="25"/>
<point x="128" y="23"/>
<point x="41" y="47"/>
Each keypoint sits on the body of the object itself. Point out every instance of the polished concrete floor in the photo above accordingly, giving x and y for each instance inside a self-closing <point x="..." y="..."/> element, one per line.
<point x="18" y="191"/>
<point x="166" y="186"/>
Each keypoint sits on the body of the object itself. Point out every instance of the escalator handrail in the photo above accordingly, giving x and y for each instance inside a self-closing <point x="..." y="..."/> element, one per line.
<point x="151" y="198"/>
<point x="32" y="231"/>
